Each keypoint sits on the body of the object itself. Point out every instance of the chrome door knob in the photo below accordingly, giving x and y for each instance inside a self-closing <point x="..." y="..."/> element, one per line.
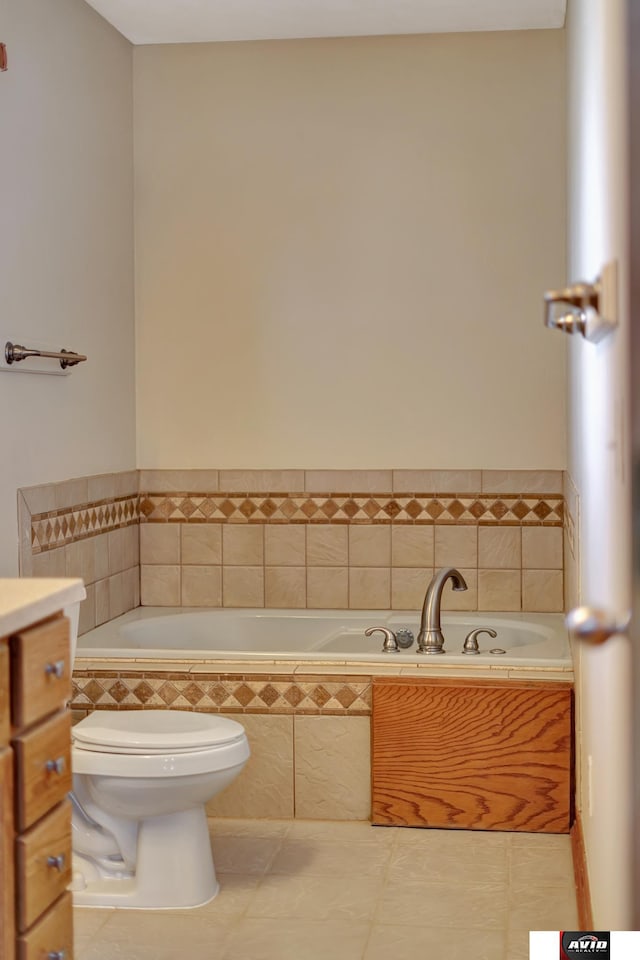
<point x="595" y="626"/>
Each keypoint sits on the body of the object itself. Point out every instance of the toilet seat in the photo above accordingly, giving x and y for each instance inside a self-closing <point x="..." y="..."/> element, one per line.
<point x="156" y="743"/>
<point x="133" y="732"/>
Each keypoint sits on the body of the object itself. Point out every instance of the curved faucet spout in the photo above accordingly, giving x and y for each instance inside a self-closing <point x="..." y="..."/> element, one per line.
<point x="430" y="638"/>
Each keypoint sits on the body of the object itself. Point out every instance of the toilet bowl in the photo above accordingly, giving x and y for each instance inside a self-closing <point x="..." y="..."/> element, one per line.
<point x="141" y="780"/>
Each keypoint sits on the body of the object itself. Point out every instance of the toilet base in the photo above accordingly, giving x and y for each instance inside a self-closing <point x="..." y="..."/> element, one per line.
<point x="174" y="868"/>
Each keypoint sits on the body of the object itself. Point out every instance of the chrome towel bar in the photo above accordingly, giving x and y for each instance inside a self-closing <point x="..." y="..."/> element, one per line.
<point x="14" y="352"/>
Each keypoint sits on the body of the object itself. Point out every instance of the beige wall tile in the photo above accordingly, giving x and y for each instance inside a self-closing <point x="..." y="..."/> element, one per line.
<point x="25" y="554"/>
<point x="522" y="481"/>
<point x="51" y="563"/>
<point x="71" y="493"/>
<point x="201" y="543"/>
<point x="262" y="481"/>
<point x="159" y="543"/>
<point x="243" y="586"/>
<point x="178" y="481"/>
<point x="127" y="483"/>
<point x="408" y="587"/>
<point x="571" y="579"/>
<point x="243" y="544"/>
<point x="118" y="599"/>
<point x="160" y="585"/>
<point x="285" y="545"/>
<point x="132" y="587"/>
<point x="328" y="587"/>
<point x="369" y="588"/>
<point x="201" y="586"/>
<point x="285" y="586"/>
<point x="40" y="499"/>
<point x="456" y="546"/>
<point x="80" y="560"/>
<point x="116" y="540"/>
<point x="462" y="599"/>
<point x="498" y="590"/>
<point x="87" y="619"/>
<point x="264" y="788"/>
<point x="499" y="548"/>
<point x="436" y="481"/>
<point x="101" y="555"/>
<point x="102" y="601"/>
<point x="348" y="481"/>
<point x="412" y="546"/>
<point x="332" y="768"/>
<point x="102" y="486"/>
<point x="369" y="545"/>
<point x="542" y="548"/>
<point x="327" y="545"/>
<point x="542" y="591"/>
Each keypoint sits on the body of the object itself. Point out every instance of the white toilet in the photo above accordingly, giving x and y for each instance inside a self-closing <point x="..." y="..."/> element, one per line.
<point x="141" y="779"/>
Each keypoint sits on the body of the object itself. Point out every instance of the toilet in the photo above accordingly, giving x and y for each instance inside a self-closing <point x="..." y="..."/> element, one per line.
<point x="141" y="779"/>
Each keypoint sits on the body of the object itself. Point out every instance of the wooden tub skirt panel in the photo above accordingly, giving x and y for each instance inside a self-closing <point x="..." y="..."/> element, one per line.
<point x="472" y="754"/>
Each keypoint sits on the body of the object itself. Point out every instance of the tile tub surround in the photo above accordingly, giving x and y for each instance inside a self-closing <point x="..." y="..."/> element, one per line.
<point x="295" y="542"/>
<point x="308" y="725"/>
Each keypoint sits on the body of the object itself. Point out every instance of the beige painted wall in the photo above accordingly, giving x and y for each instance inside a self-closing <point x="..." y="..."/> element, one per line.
<point x="66" y="247"/>
<point x="341" y="247"/>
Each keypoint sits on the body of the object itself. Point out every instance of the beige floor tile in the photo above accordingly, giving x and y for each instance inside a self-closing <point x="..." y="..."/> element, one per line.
<point x="246" y="855"/>
<point x="540" y="859"/>
<point x="233" y="827"/>
<point x="235" y="894"/>
<point x="295" y="939"/>
<point x="426" y="904"/>
<point x="345" y="831"/>
<point x="152" y="935"/>
<point x="542" y="907"/>
<point x="395" y="942"/>
<point x="322" y="859"/>
<point x="87" y="921"/>
<point x="449" y="863"/>
<point x="518" y="945"/>
<point x="315" y="898"/>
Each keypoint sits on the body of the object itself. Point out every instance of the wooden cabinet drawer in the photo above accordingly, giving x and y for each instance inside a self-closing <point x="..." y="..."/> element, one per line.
<point x="6" y="854"/>
<point x="41" y="671"/>
<point x="43" y="864"/>
<point x="43" y="759"/>
<point x="52" y="936"/>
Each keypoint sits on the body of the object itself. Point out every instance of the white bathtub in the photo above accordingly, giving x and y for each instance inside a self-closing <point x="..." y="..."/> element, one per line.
<point x="333" y="636"/>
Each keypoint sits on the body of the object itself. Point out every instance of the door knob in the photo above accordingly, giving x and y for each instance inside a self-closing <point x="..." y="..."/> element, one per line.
<point x="594" y="626"/>
<point x="586" y="308"/>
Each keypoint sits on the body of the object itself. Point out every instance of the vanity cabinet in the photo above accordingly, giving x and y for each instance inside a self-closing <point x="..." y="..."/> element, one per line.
<point x="35" y="777"/>
<point x="472" y="754"/>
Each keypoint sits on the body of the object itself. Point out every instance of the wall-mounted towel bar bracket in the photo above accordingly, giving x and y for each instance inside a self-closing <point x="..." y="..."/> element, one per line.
<point x="590" y="309"/>
<point x="14" y="353"/>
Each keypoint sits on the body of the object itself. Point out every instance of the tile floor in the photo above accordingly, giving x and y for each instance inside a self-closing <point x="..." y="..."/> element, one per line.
<point x="303" y="889"/>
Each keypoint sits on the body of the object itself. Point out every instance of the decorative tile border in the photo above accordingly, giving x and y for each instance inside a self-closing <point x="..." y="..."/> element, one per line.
<point x="57" y="528"/>
<point x="222" y="692"/>
<point x="424" y="508"/>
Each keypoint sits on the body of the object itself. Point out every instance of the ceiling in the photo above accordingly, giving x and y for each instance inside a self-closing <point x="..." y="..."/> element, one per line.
<point x="199" y="21"/>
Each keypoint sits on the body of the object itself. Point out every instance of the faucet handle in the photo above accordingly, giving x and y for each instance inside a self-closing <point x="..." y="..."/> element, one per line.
<point x="471" y="641"/>
<point x="390" y="643"/>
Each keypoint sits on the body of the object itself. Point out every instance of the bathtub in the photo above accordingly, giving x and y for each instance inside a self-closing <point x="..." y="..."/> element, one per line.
<point x="322" y="636"/>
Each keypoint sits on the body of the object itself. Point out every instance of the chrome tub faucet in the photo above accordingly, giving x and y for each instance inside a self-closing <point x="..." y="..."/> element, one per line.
<point x="430" y="638"/>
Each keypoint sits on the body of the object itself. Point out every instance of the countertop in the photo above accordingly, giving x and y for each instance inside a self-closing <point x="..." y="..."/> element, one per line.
<point x="25" y="600"/>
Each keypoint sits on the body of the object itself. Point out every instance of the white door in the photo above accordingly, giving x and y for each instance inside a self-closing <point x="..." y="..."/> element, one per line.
<point x="599" y="450"/>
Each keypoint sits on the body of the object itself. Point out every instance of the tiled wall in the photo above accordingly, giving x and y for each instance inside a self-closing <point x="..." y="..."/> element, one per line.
<point x="316" y="538"/>
<point x="287" y="539"/>
<point x="85" y="528"/>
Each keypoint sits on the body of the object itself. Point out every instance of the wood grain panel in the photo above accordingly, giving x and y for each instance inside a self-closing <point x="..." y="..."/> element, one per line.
<point x="38" y="789"/>
<point x="37" y="690"/>
<point x="4" y="694"/>
<point x="472" y="754"/>
<point x="40" y="882"/>
<point x="53" y="934"/>
<point x="7" y="909"/>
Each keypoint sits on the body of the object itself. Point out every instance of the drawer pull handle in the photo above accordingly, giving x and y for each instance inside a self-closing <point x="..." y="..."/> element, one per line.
<point x="56" y="862"/>
<point x="55" y="766"/>
<point x="56" y="955"/>
<point x="55" y="669"/>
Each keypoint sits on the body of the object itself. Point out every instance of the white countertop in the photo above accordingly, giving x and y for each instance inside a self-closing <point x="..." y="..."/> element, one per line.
<point x="25" y="600"/>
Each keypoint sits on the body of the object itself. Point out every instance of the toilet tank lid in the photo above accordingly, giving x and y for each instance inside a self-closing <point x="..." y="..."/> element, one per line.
<point x="155" y="730"/>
